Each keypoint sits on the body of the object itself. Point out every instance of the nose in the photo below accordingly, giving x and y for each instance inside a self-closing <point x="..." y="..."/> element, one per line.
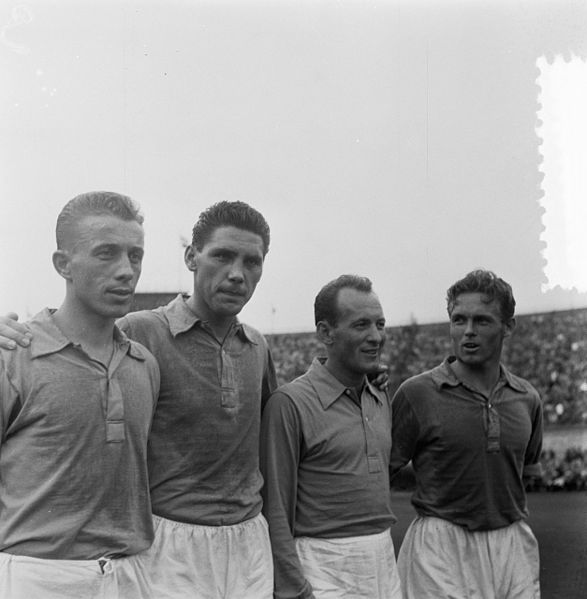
<point x="125" y="269"/>
<point x="236" y="271"/>
<point x="376" y="335"/>
<point x="469" y="328"/>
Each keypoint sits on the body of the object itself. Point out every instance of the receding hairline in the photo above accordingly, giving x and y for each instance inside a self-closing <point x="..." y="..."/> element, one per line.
<point x="94" y="204"/>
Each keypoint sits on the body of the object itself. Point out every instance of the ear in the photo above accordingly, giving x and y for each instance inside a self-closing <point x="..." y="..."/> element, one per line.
<point x="62" y="264"/>
<point x="325" y="332"/>
<point x="509" y="327"/>
<point x="190" y="257"/>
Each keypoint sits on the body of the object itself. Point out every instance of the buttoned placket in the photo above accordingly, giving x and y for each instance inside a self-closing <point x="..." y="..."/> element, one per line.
<point x="490" y="417"/>
<point x="225" y="366"/>
<point x="373" y="461"/>
<point x="115" y="432"/>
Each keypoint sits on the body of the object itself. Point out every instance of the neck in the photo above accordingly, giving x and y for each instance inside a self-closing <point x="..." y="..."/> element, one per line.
<point x="348" y="379"/>
<point x="483" y="378"/>
<point x="95" y="333"/>
<point x="220" y="325"/>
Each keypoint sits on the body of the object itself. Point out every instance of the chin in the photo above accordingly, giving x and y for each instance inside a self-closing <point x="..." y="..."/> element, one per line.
<point x="118" y="311"/>
<point x="370" y="368"/>
<point x="228" y="311"/>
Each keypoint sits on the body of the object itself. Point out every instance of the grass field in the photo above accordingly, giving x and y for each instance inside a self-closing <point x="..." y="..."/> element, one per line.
<point x="559" y="521"/>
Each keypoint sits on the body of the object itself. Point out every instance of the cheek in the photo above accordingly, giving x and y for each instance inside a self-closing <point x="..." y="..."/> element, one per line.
<point x="252" y="279"/>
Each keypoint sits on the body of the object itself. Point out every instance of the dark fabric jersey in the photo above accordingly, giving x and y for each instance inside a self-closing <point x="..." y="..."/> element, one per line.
<point x="469" y="451"/>
<point x="326" y="466"/>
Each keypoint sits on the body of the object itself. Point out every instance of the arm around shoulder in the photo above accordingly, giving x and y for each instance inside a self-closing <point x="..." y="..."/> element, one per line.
<point x="12" y="332"/>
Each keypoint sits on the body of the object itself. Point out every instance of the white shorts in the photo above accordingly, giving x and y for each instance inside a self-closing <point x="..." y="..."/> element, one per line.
<point x="440" y="560"/>
<point x="24" y="577"/>
<point x="350" y="568"/>
<point x="209" y="562"/>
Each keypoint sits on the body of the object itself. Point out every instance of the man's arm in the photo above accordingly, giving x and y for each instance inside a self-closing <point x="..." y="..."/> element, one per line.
<point x="532" y="465"/>
<point x="279" y="458"/>
<point x="10" y="402"/>
<point x="13" y="332"/>
<point x="269" y="379"/>
<point x="405" y="431"/>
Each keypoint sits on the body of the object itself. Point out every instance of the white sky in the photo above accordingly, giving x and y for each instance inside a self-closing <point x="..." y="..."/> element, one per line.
<point x="393" y="139"/>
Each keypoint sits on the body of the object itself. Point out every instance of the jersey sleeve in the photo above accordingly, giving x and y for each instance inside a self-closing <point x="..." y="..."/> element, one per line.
<point x="404" y="432"/>
<point x="281" y="438"/>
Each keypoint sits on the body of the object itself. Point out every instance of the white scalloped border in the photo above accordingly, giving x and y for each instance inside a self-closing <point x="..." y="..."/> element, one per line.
<point x="562" y="131"/>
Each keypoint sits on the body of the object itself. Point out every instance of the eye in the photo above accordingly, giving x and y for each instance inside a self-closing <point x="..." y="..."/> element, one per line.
<point x="253" y="262"/>
<point x="381" y="325"/>
<point x="106" y="253"/>
<point x="222" y="256"/>
<point x="136" y="257"/>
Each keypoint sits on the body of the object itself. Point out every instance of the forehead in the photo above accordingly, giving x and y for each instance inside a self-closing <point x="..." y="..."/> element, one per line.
<point x="353" y="304"/>
<point x="98" y="229"/>
<point x="235" y="239"/>
<point x="476" y="303"/>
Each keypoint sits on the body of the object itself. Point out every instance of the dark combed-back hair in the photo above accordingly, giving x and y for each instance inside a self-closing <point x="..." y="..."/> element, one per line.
<point x="326" y="305"/>
<point x="94" y="203"/>
<point x="490" y="285"/>
<point x="230" y="214"/>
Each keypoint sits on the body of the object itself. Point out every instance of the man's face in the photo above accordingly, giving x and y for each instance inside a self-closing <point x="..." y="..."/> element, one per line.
<point x="477" y="330"/>
<point x="359" y="335"/>
<point x="226" y="272"/>
<point x="104" y="264"/>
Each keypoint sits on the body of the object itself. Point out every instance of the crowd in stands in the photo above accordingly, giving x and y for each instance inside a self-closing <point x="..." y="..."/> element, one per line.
<point x="549" y="350"/>
<point x="567" y="474"/>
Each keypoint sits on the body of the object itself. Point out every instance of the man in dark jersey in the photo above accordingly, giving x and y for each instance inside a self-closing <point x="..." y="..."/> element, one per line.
<point x="472" y="430"/>
<point x="325" y="448"/>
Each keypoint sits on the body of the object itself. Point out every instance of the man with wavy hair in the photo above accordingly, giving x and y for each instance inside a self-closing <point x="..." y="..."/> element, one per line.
<point x="472" y="430"/>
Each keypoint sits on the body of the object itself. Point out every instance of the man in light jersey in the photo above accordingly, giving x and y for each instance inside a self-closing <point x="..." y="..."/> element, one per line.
<point x="75" y="412"/>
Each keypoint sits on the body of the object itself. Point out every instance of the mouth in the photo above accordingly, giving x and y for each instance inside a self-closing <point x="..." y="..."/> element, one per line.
<point x="470" y="346"/>
<point x="232" y="293"/>
<point x="122" y="292"/>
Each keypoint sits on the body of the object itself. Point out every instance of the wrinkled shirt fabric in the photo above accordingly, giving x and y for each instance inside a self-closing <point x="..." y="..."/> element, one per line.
<point x="325" y="461"/>
<point x="469" y="451"/>
<point x="204" y="442"/>
<point x="73" y="456"/>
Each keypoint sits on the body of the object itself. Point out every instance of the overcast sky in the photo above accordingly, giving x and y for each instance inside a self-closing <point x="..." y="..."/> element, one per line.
<point x="392" y="139"/>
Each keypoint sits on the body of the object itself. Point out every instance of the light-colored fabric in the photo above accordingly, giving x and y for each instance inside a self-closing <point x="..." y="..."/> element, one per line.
<point x="24" y="577"/>
<point x="350" y="568"/>
<point x="440" y="560"/>
<point x="209" y="562"/>
<point x="74" y="447"/>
